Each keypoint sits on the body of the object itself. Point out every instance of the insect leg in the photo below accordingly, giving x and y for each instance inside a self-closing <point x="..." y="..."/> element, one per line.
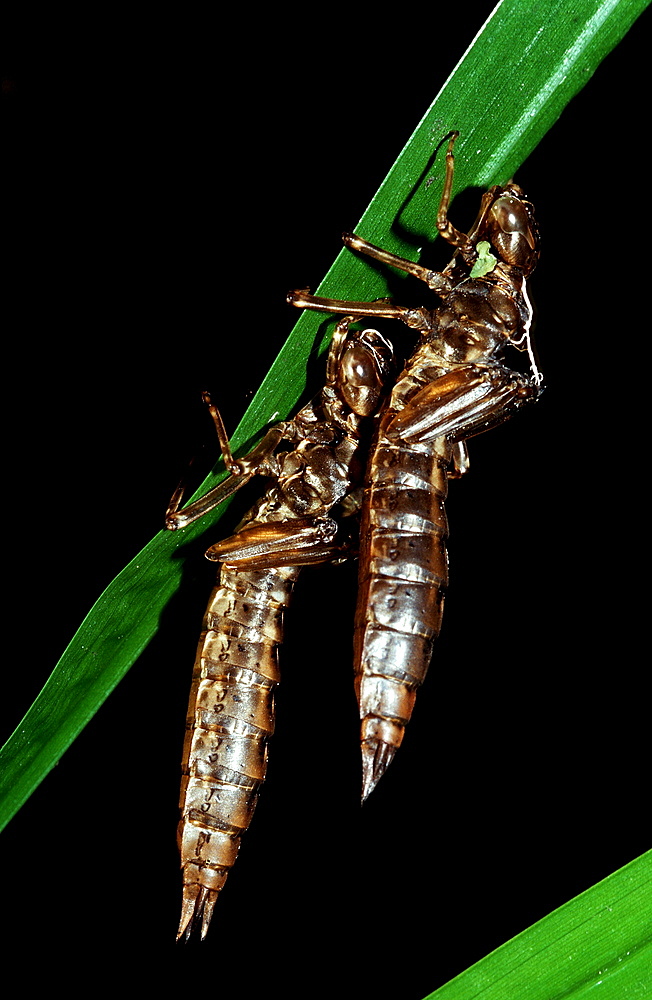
<point x="459" y="460"/>
<point x="445" y="227"/>
<point x="175" y="518"/>
<point x="435" y="280"/>
<point x="417" y="319"/>
<point x="242" y="470"/>
<point x="438" y="282"/>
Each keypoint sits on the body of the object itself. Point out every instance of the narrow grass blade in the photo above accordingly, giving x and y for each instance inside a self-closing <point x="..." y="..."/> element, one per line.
<point x="598" y="944"/>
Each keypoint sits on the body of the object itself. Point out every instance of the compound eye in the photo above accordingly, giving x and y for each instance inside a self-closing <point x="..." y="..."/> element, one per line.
<point x="359" y="367"/>
<point x="511" y="216"/>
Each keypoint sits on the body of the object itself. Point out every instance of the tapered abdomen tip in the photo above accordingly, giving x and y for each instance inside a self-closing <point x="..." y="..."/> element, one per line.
<point x="376" y="758"/>
<point x="198" y="905"/>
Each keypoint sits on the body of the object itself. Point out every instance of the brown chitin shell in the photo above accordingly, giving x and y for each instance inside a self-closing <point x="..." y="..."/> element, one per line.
<point x="230" y="720"/>
<point x="402" y="581"/>
<point x="314" y="462"/>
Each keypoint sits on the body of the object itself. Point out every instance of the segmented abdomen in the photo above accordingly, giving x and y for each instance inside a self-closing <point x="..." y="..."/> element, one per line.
<point x="230" y="720"/>
<point x="403" y="575"/>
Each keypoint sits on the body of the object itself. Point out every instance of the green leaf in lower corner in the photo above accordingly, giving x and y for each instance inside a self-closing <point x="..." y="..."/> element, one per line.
<point x="597" y="945"/>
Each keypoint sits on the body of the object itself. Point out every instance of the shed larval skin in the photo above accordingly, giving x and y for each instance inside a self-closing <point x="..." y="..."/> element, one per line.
<point x="453" y="388"/>
<point x="315" y="462"/>
<point x="403" y="568"/>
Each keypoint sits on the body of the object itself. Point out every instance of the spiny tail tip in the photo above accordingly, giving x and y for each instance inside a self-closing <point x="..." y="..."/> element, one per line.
<point x="198" y="903"/>
<point x="376" y="758"/>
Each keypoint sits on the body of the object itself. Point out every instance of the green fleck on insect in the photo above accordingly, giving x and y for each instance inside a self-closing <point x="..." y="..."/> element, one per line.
<point x="485" y="262"/>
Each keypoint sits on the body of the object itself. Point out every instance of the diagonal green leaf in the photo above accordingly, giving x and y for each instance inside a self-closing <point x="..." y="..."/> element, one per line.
<point x="560" y="45"/>
<point x="600" y="943"/>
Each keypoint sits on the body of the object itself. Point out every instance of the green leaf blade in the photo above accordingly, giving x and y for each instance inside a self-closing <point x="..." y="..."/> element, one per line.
<point x="598" y="944"/>
<point x="114" y="633"/>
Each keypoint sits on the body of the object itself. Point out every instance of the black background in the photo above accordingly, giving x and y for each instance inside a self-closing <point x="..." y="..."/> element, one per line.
<point x="152" y="235"/>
